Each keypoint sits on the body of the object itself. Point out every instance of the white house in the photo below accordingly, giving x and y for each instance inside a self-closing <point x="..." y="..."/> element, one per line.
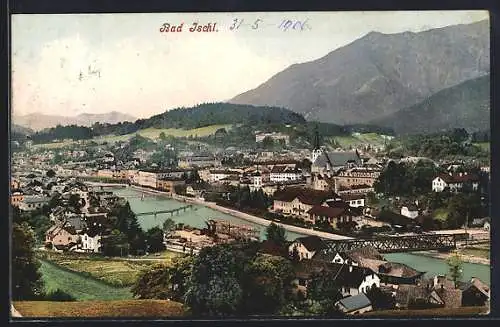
<point x="91" y="243"/>
<point x="455" y="182"/>
<point x="283" y="173"/>
<point x="409" y="211"/>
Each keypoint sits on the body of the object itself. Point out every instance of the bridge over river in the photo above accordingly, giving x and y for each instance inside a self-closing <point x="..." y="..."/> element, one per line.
<point x="170" y="211"/>
<point x="393" y="244"/>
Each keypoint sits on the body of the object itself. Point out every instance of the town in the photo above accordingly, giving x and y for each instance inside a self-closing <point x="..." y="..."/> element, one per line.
<point x="308" y="165"/>
<point x="327" y="197"/>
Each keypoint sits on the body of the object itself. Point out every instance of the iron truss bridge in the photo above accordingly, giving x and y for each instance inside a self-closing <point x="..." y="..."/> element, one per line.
<point x="391" y="244"/>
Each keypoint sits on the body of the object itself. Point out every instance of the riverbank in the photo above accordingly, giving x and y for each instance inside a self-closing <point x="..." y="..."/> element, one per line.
<point x="445" y="256"/>
<point x="242" y="215"/>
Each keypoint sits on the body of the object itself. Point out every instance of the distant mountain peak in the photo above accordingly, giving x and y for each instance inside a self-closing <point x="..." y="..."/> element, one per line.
<point x="377" y="74"/>
<point x="39" y="121"/>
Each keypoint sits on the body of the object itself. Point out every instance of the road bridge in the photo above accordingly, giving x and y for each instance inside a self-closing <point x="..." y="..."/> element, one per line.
<point x="170" y="211"/>
<point x="389" y="244"/>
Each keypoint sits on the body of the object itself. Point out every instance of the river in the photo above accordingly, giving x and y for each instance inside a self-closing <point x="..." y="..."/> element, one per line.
<point x="197" y="216"/>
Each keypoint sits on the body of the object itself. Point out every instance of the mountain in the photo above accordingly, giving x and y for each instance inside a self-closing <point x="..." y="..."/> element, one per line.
<point x="37" y="121"/>
<point x="466" y="105"/>
<point x="378" y="74"/>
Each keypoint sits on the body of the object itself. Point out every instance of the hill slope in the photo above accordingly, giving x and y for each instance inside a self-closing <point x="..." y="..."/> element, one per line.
<point x="378" y="74"/>
<point x="466" y="105"/>
<point x="39" y="122"/>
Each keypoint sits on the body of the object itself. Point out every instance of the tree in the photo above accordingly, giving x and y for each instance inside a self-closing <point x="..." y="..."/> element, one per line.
<point x="455" y="264"/>
<point x="276" y="233"/>
<point x="324" y="292"/>
<point x="267" y="142"/>
<point x="213" y="287"/>
<point x="154" y="238"/>
<point x="50" y="173"/>
<point x="163" y="137"/>
<point x="115" y="244"/>
<point x="168" y="225"/>
<point x="74" y="201"/>
<point x="27" y="281"/>
<point x="154" y="283"/>
<point x="267" y="285"/>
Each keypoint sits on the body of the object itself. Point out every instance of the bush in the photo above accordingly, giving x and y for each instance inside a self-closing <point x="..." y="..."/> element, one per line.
<point x="59" y="296"/>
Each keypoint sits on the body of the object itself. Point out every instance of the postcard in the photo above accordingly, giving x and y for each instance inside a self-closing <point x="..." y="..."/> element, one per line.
<point x="250" y="165"/>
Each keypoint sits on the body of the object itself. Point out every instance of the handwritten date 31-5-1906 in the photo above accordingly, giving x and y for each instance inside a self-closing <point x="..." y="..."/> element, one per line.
<point x="236" y="24"/>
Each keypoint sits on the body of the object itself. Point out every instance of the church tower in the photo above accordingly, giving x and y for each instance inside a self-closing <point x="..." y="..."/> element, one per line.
<point x="316" y="152"/>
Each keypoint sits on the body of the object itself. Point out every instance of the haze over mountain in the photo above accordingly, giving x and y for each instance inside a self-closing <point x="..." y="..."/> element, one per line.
<point x="378" y="74"/>
<point x="466" y="105"/>
<point x="37" y="122"/>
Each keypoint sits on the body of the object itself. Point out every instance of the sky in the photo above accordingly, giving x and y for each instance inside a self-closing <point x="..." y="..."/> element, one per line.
<point x="97" y="63"/>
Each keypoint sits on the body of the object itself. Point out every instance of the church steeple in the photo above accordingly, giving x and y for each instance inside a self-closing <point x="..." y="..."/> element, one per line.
<point x="316" y="152"/>
<point x="316" y="138"/>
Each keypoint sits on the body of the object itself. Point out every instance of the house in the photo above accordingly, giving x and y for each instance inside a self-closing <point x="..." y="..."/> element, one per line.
<point x="353" y="305"/>
<point x="352" y="257"/>
<point x="91" y="242"/>
<point x="394" y="273"/>
<point x="474" y="293"/>
<point x="16" y="197"/>
<point x="410" y="211"/>
<point x="455" y="182"/>
<point x="283" y="174"/>
<point x="35" y="202"/>
<point x="76" y="222"/>
<point x="199" y="161"/>
<point x="357" y="176"/>
<point x="220" y="174"/>
<point x="62" y="235"/>
<point x="330" y="163"/>
<point x="297" y="201"/>
<point x="417" y="296"/>
<point x="275" y="136"/>
<point x="481" y="222"/>
<point x="350" y="280"/>
<point x="168" y="184"/>
<point x="330" y="215"/>
<point x="321" y="182"/>
<point x="354" y="189"/>
<point x="307" y="246"/>
<point x="354" y="200"/>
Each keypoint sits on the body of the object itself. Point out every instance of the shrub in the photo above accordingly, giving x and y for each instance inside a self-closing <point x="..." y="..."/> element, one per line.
<point x="59" y="295"/>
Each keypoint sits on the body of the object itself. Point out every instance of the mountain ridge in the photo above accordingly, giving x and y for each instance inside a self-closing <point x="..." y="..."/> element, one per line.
<point x="377" y="74"/>
<point x="466" y="105"/>
<point x="39" y="121"/>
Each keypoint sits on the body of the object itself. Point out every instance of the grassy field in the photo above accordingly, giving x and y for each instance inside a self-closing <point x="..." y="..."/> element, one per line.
<point x="483" y="145"/>
<point x="353" y="140"/>
<point x="154" y="133"/>
<point x="439" y="312"/>
<point x="80" y="287"/>
<point x="114" y="272"/>
<point x="103" y="309"/>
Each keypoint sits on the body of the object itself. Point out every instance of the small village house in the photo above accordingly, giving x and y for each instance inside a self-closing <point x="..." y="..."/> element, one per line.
<point x="455" y="182"/>
<point x="353" y="305"/>
<point x="306" y="247"/>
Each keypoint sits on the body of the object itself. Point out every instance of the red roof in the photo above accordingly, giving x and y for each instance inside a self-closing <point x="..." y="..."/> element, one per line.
<point x="457" y="178"/>
<point x="326" y="211"/>
<point x="305" y="195"/>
